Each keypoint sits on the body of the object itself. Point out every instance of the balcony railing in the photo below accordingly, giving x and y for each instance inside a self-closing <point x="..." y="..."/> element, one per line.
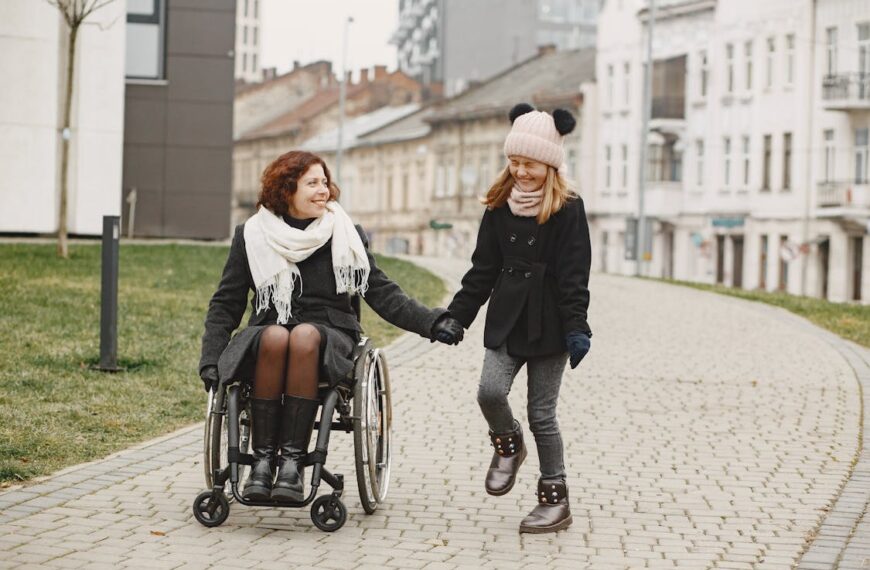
<point x="846" y="91"/>
<point x="842" y="194"/>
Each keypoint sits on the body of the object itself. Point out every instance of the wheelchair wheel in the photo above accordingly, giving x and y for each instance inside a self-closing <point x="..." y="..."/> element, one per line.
<point x="373" y="418"/>
<point x="211" y="509"/>
<point x="215" y="438"/>
<point x="328" y="513"/>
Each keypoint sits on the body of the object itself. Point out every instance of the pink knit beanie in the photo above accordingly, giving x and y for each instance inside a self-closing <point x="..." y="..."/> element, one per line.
<point x="538" y="135"/>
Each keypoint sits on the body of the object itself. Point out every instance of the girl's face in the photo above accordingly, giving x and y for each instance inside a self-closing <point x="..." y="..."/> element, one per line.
<point x="529" y="174"/>
<point x="312" y="193"/>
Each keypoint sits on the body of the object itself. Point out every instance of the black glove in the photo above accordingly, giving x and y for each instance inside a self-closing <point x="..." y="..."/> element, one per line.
<point x="447" y="330"/>
<point x="578" y="345"/>
<point x="209" y="375"/>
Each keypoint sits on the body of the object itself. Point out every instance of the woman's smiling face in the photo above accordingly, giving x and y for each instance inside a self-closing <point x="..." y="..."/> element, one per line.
<point x="312" y="194"/>
<point x="529" y="174"/>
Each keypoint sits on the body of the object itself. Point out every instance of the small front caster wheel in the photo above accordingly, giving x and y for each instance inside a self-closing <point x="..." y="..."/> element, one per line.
<point x="328" y="513"/>
<point x="211" y="509"/>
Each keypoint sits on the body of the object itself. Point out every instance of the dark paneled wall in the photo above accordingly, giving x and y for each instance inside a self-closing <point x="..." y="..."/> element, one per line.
<point x="178" y="134"/>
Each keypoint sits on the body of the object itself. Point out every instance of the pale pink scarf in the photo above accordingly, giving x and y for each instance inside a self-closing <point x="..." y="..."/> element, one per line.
<point x="525" y="204"/>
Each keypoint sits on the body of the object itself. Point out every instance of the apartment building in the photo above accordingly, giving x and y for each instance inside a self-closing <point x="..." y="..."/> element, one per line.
<point x="735" y="188"/>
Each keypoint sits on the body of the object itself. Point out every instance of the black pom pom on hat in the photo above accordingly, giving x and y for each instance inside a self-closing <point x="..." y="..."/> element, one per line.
<point x="520" y="109"/>
<point x="564" y="121"/>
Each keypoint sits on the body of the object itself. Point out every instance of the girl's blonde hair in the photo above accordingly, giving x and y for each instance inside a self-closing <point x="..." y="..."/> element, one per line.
<point x="557" y="191"/>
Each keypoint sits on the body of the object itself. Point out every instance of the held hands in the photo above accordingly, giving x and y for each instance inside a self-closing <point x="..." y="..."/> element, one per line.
<point x="447" y="330"/>
<point x="578" y="345"/>
<point x="209" y="377"/>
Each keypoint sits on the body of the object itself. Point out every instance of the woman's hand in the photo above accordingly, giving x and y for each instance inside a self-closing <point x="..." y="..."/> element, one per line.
<point x="209" y="376"/>
<point x="578" y="345"/>
<point x="447" y="330"/>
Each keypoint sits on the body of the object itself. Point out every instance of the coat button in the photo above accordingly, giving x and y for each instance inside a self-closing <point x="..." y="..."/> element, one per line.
<point x="510" y="270"/>
<point x="527" y="274"/>
<point x="531" y="240"/>
<point x="513" y="238"/>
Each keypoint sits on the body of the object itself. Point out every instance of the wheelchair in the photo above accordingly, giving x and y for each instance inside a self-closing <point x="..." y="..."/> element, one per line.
<point x="359" y="404"/>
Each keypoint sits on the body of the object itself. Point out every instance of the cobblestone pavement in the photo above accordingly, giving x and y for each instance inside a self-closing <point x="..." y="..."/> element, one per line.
<point x="700" y="432"/>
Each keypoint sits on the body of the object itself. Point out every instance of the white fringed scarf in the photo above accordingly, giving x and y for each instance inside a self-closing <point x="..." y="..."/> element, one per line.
<point x="274" y="248"/>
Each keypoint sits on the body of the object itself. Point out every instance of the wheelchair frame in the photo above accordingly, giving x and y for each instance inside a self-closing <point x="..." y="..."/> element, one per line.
<point x="364" y="407"/>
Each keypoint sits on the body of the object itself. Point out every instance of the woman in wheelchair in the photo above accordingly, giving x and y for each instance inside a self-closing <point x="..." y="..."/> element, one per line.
<point x="303" y="259"/>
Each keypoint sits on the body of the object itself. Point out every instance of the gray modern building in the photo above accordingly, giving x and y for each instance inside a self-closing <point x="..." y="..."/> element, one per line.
<point x="456" y="43"/>
<point x="178" y="120"/>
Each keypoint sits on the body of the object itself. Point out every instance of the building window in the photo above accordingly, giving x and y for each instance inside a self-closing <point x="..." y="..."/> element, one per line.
<point x="729" y="68"/>
<point x="247" y="2"/>
<point x="789" y="59"/>
<point x="245" y="63"/>
<point x="762" y="264"/>
<point x="699" y="151"/>
<point x="831" y="51"/>
<point x="451" y="179"/>
<point x="440" y="180"/>
<point x="765" y="163"/>
<point x="146" y="26"/>
<point x="256" y="8"/>
<point x="747" y="54"/>
<point x="625" y="166"/>
<point x="862" y="155"/>
<point x="864" y="54"/>
<point x="783" y="265"/>
<point x="610" y="86"/>
<point x="607" y="167"/>
<point x="726" y="168"/>
<point x="256" y="36"/>
<point x="626" y="83"/>
<point x="253" y="62"/>
<point x="829" y="156"/>
<point x="786" y="161"/>
<point x="703" y="74"/>
<point x="771" y="56"/>
<point x="746" y="160"/>
<point x="244" y="35"/>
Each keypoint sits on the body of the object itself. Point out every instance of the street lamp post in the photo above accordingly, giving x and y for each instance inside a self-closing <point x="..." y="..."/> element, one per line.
<point x="342" y="94"/>
<point x="646" y="112"/>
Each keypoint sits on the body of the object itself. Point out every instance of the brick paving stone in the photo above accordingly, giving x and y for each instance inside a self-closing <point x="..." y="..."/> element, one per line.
<point x="706" y="445"/>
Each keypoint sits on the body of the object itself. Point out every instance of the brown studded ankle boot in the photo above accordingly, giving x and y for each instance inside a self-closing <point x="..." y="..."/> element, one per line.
<point x="510" y="452"/>
<point x="552" y="512"/>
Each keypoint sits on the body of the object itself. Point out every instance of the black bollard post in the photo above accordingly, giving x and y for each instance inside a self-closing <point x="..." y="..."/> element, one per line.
<point x="109" y="295"/>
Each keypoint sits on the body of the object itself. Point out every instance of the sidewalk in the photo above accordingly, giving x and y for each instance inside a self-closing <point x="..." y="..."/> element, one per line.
<point x="702" y="431"/>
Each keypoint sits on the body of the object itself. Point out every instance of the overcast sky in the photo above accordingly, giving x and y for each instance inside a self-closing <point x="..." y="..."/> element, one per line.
<point x="308" y="30"/>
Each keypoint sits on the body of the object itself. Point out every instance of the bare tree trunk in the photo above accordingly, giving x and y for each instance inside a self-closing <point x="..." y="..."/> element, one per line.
<point x="62" y="245"/>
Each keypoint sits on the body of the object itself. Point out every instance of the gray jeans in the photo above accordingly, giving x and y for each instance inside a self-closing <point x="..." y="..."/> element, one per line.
<point x="545" y="378"/>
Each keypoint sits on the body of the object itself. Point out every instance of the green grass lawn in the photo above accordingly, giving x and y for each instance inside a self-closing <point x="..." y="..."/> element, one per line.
<point x="57" y="411"/>
<point x="847" y="320"/>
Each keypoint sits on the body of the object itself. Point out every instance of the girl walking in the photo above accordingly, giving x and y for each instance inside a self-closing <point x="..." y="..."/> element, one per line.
<point x="531" y="262"/>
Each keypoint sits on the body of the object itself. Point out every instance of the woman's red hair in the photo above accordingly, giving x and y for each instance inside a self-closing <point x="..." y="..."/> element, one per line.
<point x="281" y="176"/>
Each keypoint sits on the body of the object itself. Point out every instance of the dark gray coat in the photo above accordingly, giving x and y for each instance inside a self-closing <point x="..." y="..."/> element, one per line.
<point x="536" y="278"/>
<point x="315" y="302"/>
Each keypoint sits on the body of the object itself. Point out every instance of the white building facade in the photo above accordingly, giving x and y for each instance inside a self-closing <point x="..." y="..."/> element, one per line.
<point x="737" y="189"/>
<point x="33" y="39"/>
<point x="248" y="41"/>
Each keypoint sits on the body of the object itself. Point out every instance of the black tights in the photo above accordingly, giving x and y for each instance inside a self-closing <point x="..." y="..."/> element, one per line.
<point x="299" y="347"/>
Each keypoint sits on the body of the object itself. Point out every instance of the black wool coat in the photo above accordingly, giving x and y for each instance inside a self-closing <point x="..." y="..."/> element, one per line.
<point x="314" y="302"/>
<point x="536" y="278"/>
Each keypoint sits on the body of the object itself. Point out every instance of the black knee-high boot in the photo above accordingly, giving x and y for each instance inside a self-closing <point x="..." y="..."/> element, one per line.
<point x="265" y="420"/>
<point x="297" y="422"/>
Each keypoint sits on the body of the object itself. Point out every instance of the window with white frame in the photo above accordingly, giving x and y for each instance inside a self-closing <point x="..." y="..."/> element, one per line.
<point x="729" y="68"/>
<point x="829" y="155"/>
<point x="440" y="180"/>
<point x="786" y="161"/>
<point x="610" y="86"/>
<point x="626" y="83"/>
<point x="624" y="166"/>
<point x="862" y="155"/>
<point x="766" y="161"/>
<point x="789" y="59"/>
<point x="864" y="52"/>
<point x="703" y="73"/>
<point x="607" y="166"/>
<point x="771" y="57"/>
<point x="747" y="58"/>
<point x="746" y="161"/>
<point x="146" y="27"/>
<point x="726" y="166"/>
<point x="831" y="51"/>
<point x="699" y="158"/>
